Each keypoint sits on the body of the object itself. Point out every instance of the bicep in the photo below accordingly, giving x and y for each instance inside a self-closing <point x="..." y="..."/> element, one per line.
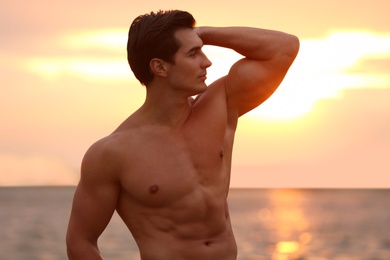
<point x="251" y="82"/>
<point x="95" y="198"/>
<point x="92" y="210"/>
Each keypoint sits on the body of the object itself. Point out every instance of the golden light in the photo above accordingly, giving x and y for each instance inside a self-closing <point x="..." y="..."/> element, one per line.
<point x="89" y="68"/>
<point x="290" y="224"/>
<point x="321" y="69"/>
<point x="106" y="59"/>
<point x="305" y="238"/>
<point x="112" y="39"/>
<point x="287" y="247"/>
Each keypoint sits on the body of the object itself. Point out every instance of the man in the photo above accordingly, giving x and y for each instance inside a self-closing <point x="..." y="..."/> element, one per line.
<point x="166" y="168"/>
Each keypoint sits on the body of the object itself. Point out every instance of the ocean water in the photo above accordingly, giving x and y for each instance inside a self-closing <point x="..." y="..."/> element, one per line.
<point x="276" y="224"/>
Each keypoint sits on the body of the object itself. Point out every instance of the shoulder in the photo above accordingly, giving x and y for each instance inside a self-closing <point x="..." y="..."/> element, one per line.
<point x="214" y="103"/>
<point x="100" y="149"/>
<point x="103" y="159"/>
<point x="216" y="92"/>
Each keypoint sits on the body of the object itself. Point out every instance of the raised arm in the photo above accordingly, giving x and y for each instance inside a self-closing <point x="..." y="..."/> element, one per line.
<point x="94" y="203"/>
<point x="268" y="56"/>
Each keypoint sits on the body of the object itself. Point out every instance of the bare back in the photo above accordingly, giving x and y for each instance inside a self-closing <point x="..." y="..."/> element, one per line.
<point x="174" y="183"/>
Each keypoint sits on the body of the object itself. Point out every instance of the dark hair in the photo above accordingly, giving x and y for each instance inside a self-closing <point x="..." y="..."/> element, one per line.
<point x="152" y="36"/>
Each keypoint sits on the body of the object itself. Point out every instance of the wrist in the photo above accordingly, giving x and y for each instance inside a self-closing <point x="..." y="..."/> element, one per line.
<point x="203" y="31"/>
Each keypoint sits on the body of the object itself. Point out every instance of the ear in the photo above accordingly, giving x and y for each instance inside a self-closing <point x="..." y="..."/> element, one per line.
<point x="158" y="67"/>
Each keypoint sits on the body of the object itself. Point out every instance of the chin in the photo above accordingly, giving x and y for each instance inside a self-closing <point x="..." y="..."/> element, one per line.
<point x="203" y="88"/>
<point x="197" y="88"/>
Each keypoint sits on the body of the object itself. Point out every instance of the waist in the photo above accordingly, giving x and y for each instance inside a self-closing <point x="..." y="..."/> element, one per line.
<point x="221" y="247"/>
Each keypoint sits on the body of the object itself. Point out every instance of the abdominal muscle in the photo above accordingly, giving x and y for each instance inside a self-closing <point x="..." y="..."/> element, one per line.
<point x="194" y="226"/>
<point x="170" y="245"/>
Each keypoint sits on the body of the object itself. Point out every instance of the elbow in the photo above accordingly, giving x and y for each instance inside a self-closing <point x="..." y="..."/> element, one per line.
<point x="292" y="46"/>
<point x="71" y="247"/>
<point x="288" y="51"/>
<point x="78" y="248"/>
<point x="70" y="250"/>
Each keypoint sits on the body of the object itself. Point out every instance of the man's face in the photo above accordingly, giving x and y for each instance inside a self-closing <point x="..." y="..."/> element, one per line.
<point x="189" y="71"/>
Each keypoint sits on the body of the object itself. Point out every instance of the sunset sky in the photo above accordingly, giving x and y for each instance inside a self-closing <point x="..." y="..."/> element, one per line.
<point x="65" y="83"/>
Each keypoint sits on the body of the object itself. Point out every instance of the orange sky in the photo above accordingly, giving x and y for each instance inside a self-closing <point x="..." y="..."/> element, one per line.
<point x="65" y="83"/>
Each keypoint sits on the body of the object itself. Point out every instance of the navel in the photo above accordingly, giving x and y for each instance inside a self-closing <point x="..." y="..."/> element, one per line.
<point x="153" y="189"/>
<point x="221" y="154"/>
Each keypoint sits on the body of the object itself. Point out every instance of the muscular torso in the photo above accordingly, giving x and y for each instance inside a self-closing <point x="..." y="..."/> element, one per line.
<point x="174" y="184"/>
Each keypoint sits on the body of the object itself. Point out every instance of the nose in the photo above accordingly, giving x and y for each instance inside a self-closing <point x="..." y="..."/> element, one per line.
<point x="206" y="62"/>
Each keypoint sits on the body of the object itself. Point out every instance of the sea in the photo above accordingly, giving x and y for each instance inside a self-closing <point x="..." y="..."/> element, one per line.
<point x="275" y="224"/>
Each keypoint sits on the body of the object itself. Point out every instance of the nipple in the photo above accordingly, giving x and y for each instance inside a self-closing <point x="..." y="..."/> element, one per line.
<point x="153" y="189"/>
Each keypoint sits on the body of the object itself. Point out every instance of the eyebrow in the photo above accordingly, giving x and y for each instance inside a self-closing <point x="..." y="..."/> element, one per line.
<point x="195" y="48"/>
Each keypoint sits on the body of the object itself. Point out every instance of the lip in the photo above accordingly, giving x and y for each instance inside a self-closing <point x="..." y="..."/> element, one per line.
<point x="203" y="76"/>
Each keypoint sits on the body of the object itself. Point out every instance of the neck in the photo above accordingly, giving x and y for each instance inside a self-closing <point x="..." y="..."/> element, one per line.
<point x="166" y="107"/>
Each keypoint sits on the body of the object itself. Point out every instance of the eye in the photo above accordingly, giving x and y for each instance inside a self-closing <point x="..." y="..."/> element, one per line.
<point x="194" y="52"/>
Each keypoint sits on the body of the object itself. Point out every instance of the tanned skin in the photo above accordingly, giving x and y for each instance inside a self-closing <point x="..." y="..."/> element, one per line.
<point x="166" y="168"/>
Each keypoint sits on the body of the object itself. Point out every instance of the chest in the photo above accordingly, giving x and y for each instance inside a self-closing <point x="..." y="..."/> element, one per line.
<point x="168" y="167"/>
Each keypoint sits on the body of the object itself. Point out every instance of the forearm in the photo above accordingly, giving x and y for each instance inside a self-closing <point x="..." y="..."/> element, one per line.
<point x="254" y="43"/>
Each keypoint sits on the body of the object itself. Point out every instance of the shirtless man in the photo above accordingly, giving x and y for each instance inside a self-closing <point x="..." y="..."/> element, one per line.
<point x="166" y="168"/>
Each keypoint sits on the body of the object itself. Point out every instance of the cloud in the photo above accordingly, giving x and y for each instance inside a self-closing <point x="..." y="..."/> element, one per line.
<point x="87" y="68"/>
<point x="375" y="65"/>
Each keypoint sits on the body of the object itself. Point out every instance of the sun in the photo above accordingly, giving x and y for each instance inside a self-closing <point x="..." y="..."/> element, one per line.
<point x="321" y="70"/>
<point x="288" y="101"/>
